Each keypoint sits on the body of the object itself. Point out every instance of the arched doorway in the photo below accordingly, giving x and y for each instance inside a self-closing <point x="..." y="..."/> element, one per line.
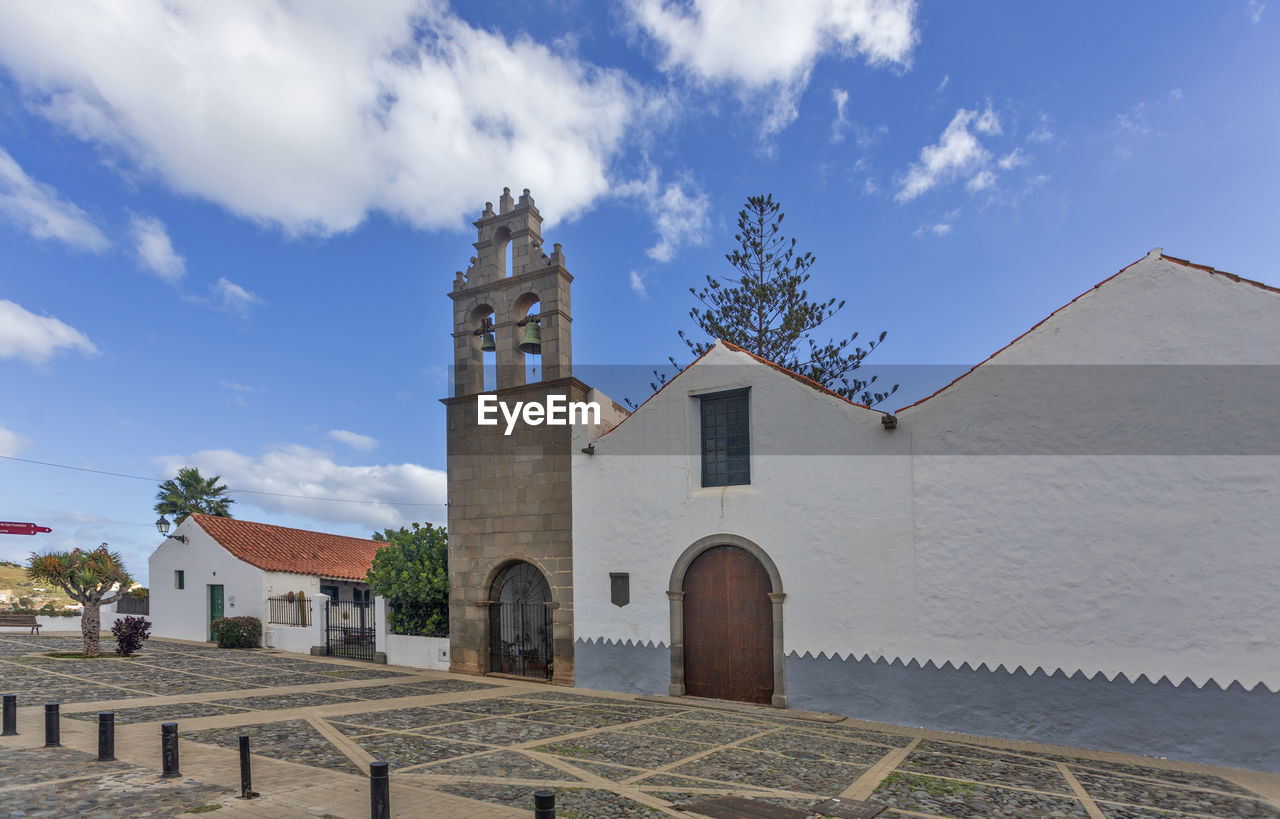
<point x="728" y="627"/>
<point x="520" y="622"/>
<point x="734" y="617"/>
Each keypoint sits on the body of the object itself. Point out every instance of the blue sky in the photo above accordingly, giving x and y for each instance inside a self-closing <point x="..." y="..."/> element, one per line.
<point x="227" y="230"/>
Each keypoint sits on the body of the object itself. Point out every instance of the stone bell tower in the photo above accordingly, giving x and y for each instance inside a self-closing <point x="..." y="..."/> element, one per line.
<point x="510" y="496"/>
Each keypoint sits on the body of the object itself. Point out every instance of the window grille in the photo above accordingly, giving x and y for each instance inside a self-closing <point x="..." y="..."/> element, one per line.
<point x="726" y="438"/>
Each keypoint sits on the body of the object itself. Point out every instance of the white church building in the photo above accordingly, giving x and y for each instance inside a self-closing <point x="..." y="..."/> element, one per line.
<point x="1076" y="542"/>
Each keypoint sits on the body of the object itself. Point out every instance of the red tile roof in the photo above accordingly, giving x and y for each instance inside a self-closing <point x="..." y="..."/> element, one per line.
<point x="280" y="549"/>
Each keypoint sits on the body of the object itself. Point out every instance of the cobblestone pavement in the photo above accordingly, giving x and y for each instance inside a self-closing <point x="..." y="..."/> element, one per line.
<point x="495" y="741"/>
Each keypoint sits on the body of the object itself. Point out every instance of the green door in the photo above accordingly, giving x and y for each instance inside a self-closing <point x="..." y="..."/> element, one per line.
<point x="215" y="606"/>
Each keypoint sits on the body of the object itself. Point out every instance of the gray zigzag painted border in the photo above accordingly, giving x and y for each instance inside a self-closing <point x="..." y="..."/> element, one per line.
<point x="929" y="665"/>
<point x="601" y="641"/>
<point x="1039" y="671"/>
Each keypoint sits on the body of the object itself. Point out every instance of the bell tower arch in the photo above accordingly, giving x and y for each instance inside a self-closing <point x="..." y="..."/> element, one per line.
<point x="534" y="277"/>
<point x="510" y="496"/>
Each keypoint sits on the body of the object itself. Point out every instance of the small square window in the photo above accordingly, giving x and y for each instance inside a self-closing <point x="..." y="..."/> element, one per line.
<point x="620" y="588"/>
<point x="179" y="579"/>
<point x="726" y="438"/>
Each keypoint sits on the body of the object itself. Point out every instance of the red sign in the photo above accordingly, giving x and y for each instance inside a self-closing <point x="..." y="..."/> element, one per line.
<point x="10" y="528"/>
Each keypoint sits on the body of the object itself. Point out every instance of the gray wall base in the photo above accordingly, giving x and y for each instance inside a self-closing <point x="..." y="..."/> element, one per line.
<point x="1231" y="727"/>
<point x="632" y="668"/>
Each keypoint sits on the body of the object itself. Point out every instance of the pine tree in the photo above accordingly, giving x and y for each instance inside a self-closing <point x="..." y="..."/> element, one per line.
<point x="764" y="308"/>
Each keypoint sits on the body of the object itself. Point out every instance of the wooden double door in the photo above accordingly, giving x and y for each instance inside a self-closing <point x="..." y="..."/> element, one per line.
<point x="728" y="627"/>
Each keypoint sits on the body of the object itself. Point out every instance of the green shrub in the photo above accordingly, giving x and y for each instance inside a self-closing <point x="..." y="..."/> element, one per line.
<point x="237" y="632"/>
<point x="45" y="612"/>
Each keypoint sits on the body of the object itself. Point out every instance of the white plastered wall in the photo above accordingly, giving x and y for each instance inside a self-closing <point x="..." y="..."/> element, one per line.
<point x="638" y="504"/>
<point x="183" y="614"/>
<point x="918" y="544"/>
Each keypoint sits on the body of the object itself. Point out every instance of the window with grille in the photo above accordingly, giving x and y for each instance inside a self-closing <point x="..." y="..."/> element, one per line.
<point x="726" y="438"/>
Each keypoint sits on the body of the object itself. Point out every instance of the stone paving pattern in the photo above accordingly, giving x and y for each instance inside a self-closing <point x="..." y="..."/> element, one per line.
<point x="495" y="741"/>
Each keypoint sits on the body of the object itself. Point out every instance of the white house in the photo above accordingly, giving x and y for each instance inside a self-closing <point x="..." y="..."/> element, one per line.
<point x="1075" y="542"/>
<point x="212" y="567"/>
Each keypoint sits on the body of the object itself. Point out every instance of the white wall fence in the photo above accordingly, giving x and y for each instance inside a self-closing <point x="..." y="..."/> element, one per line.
<point x="395" y="649"/>
<point x="403" y="649"/>
<point x="299" y="639"/>
<point x="107" y="615"/>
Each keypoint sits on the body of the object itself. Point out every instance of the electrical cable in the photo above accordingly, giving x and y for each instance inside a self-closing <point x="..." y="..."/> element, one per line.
<point x="229" y="489"/>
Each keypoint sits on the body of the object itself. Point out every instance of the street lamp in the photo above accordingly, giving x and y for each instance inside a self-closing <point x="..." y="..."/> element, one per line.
<point x="162" y="526"/>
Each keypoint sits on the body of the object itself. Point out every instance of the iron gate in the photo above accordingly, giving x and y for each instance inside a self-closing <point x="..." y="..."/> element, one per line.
<point x="520" y="639"/>
<point x="349" y="630"/>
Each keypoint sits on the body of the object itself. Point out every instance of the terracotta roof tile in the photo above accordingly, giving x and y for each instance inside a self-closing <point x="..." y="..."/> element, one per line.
<point x="280" y="549"/>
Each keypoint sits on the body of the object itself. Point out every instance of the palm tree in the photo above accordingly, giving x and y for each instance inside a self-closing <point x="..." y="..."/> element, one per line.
<point x="192" y="493"/>
<point x="89" y="578"/>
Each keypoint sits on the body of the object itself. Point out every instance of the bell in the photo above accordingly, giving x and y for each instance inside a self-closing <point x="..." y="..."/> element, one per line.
<point x="487" y="344"/>
<point x="532" y="341"/>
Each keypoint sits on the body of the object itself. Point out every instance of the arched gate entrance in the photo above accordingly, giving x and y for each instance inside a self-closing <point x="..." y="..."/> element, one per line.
<point x="520" y="622"/>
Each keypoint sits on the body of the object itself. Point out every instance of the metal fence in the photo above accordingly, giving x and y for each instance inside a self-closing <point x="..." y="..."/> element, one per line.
<point x="285" y="612"/>
<point x="520" y="639"/>
<point x="128" y="604"/>
<point x="418" y="619"/>
<point x="350" y="631"/>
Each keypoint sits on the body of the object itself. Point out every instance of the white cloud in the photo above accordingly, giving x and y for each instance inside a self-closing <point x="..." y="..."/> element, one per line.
<point x="980" y="181"/>
<point x="942" y="86"/>
<point x="311" y="115"/>
<point x="36" y="339"/>
<point x="939" y="230"/>
<point x="291" y="469"/>
<point x="679" y="212"/>
<point x="1254" y="9"/>
<point x="943" y="227"/>
<point x="1134" y="121"/>
<point x="232" y="298"/>
<point x="957" y="153"/>
<point x="355" y="440"/>
<point x="233" y="386"/>
<point x="37" y="209"/>
<point x="767" y="48"/>
<point x="1043" y="131"/>
<point x="11" y="443"/>
<point x="841" y="123"/>
<point x="1012" y="160"/>
<point x="155" y="251"/>
<point x="637" y="285"/>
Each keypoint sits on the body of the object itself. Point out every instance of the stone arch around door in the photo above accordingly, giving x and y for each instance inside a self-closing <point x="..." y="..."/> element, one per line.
<point x="676" y="593"/>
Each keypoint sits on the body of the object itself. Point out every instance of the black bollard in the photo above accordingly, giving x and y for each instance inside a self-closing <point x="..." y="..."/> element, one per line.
<point x="544" y="805"/>
<point x="106" y="736"/>
<point x="379" y="791"/>
<point x="169" y="749"/>
<point x="52" y="733"/>
<point x="246" y="775"/>
<point x="10" y="715"/>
